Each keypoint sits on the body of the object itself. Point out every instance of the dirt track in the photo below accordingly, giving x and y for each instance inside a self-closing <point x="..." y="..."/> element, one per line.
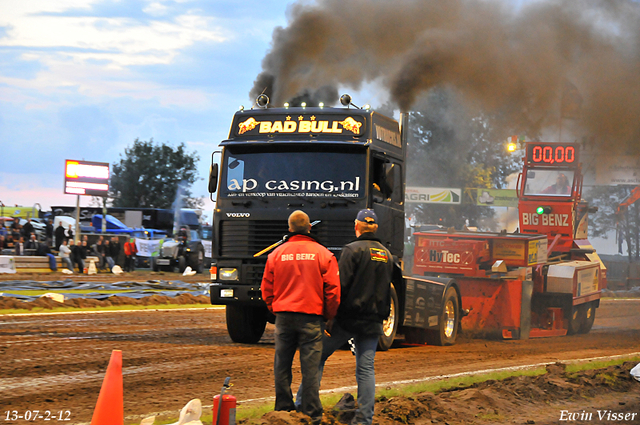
<point x="57" y="362"/>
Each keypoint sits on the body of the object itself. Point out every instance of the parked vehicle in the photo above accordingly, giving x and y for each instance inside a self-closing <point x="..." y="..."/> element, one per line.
<point x="186" y="249"/>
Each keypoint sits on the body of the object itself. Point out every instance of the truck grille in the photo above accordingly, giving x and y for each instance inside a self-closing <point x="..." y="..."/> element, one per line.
<point x="244" y="238"/>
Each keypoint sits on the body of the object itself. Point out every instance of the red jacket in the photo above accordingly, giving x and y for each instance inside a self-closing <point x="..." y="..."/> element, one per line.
<point x="130" y="248"/>
<point x="301" y="276"/>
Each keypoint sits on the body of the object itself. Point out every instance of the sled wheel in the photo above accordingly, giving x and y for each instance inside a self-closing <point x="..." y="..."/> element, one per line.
<point x="448" y="322"/>
<point x="575" y="320"/>
<point x="588" y="313"/>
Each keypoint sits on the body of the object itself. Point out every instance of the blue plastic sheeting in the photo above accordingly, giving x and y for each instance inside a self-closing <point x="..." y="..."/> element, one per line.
<point x="135" y="289"/>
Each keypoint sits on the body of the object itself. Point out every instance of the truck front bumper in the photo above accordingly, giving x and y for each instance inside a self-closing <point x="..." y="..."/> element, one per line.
<point x="226" y="294"/>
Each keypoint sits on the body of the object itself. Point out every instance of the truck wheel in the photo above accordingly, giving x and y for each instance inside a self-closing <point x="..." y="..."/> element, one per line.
<point x="588" y="315"/>
<point x="390" y="325"/>
<point x="154" y="265"/>
<point x="575" y="320"/>
<point x="448" y="322"/>
<point x="182" y="264"/>
<point x="246" y="324"/>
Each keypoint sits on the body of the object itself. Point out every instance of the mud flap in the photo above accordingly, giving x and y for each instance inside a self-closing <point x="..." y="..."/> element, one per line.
<point x="423" y="301"/>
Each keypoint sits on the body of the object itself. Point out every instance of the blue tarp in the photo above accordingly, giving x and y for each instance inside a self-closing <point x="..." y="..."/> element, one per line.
<point x="134" y="289"/>
<point x="112" y="222"/>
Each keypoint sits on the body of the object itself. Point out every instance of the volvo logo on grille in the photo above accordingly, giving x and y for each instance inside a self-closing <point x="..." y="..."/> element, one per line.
<point x="236" y="215"/>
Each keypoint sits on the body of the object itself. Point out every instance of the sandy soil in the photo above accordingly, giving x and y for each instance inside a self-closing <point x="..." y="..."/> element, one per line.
<point x="57" y="363"/>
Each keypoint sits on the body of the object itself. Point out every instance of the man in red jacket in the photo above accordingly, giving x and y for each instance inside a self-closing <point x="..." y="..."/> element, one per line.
<point x="301" y="286"/>
<point x="130" y="251"/>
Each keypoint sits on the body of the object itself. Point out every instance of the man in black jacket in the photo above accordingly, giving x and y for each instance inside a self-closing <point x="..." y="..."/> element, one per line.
<point x="49" y="233"/>
<point x="79" y="251"/>
<point x="27" y="229"/>
<point x="366" y="267"/>
<point x="59" y="233"/>
<point x="31" y="245"/>
<point x="114" y="250"/>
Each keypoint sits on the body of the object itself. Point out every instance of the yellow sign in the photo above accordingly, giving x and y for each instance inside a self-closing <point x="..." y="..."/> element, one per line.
<point x="289" y="126"/>
<point x="508" y="250"/>
<point x="537" y="252"/>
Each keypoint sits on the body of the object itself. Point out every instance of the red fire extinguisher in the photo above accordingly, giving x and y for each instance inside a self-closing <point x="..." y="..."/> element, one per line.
<point x="225" y="411"/>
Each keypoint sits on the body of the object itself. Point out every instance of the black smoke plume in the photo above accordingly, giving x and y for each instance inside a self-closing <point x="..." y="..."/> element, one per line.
<point x="536" y="64"/>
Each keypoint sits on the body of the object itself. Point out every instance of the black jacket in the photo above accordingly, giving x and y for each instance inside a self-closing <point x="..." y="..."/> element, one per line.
<point x="26" y="230"/>
<point x="79" y="252"/>
<point x="114" y="250"/>
<point x="366" y="267"/>
<point x="31" y="244"/>
<point x="59" y="234"/>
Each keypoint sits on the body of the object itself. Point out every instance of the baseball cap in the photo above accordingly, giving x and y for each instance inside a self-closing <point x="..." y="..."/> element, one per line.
<point x="367" y="216"/>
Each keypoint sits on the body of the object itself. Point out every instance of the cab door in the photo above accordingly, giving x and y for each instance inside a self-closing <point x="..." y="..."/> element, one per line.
<point x="386" y="199"/>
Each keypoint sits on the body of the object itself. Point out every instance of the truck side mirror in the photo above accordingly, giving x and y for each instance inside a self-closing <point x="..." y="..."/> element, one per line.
<point x="213" y="178"/>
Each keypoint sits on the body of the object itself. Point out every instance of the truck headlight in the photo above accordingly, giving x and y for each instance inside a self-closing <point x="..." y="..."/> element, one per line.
<point x="228" y="273"/>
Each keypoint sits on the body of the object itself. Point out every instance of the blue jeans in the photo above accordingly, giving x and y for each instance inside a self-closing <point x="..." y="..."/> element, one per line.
<point x="366" y="346"/>
<point x="304" y="331"/>
<point x="68" y="262"/>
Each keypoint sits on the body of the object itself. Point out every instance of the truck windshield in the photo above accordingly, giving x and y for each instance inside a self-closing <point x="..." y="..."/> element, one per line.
<point x="301" y="173"/>
<point x="549" y="182"/>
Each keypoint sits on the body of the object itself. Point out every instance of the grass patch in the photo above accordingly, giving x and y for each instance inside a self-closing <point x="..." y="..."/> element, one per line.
<point x="257" y="411"/>
<point x="607" y="377"/>
<point x="460" y="382"/>
<point x="107" y="308"/>
<point x="254" y="412"/>
<point x="578" y="367"/>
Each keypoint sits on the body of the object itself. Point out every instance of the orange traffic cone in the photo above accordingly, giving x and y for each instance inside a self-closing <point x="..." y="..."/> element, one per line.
<point x="109" y="408"/>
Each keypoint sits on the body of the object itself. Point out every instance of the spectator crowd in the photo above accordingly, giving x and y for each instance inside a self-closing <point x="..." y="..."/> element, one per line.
<point x="17" y="239"/>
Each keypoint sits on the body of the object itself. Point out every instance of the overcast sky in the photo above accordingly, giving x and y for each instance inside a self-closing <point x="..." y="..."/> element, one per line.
<point x="82" y="79"/>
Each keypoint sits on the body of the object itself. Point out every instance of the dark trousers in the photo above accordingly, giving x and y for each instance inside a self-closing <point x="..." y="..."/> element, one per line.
<point x="303" y="331"/>
<point x="129" y="263"/>
<point x="80" y="263"/>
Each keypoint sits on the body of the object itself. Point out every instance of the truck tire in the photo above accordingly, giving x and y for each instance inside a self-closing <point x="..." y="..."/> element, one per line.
<point x="182" y="264"/>
<point x="154" y="264"/>
<point x="588" y="315"/>
<point x="246" y="324"/>
<point x="390" y="325"/>
<point x="199" y="263"/>
<point x="575" y="320"/>
<point x="448" y="322"/>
